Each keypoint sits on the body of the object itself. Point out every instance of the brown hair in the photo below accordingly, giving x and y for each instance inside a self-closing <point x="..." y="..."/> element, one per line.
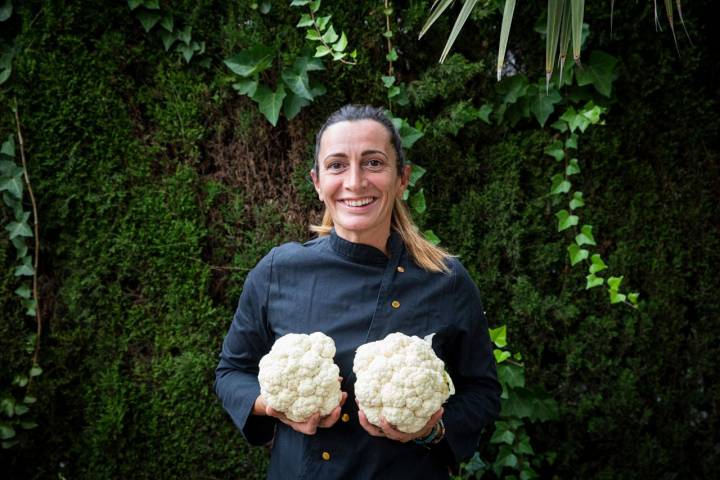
<point x="428" y="256"/>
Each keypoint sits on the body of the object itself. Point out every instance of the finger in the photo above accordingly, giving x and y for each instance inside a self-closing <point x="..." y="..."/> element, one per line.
<point x="369" y="427"/>
<point x="329" y="420"/>
<point x="343" y="397"/>
<point x="393" y="433"/>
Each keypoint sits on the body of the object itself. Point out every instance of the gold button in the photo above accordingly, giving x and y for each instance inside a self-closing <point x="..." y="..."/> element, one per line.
<point x="395" y="304"/>
<point x="345" y="417"/>
<point x="326" y="456"/>
<point x="401" y="269"/>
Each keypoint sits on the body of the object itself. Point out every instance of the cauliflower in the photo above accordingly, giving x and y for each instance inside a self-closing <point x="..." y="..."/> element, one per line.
<point x="298" y="376"/>
<point x="400" y="378"/>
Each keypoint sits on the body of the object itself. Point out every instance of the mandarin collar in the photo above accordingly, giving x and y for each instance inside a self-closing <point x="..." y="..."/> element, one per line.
<point x="361" y="253"/>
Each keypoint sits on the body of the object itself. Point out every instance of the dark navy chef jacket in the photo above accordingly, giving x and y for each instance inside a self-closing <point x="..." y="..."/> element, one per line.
<point x="355" y="294"/>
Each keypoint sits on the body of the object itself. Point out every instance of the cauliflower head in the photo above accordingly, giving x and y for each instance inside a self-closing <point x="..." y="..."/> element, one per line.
<point x="298" y="376"/>
<point x="401" y="379"/>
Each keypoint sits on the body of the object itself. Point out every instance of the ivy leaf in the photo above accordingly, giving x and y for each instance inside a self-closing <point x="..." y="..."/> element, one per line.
<point x="337" y="56"/>
<point x="18" y="229"/>
<point x="23" y="291"/>
<point x="575" y="120"/>
<point x="512" y="88"/>
<point x="321" y="51"/>
<point x="484" y="113"/>
<point x="417" y="201"/>
<point x="298" y="82"/>
<point x="598" y="71"/>
<point x="269" y="102"/>
<point x="168" y="23"/>
<point x="187" y="51"/>
<point x="585" y="237"/>
<point x="246" y="86"/>
<point x="36" y="371"/>
<point x="571" y="141"/>
<point x="322" y="22"/>
<point x="524" y="447"/>
<point x="392" y="56"/>
<point x="616" y="297"/>
<point x="293" y="104"/>
<point x="299" y="3"/>
<point x="29" y="399"/>
<point x="168" y="38"/>
<point x="21" y="409"/>
<point x="565" y="220"/>
<point x="593" y="281"/>
<point x="416" y="173"/>
<point x="314" y="6"/>
<point x="614" y="282"/>
<point x="501" y="356"/>
<point x="499" y="336"/>
<point x="511" y="375"/>
<point x="28" y="425"/>
<point x="577" y="201"/>
<point x="597" y="264"/>
<point x="20" y="246"/>
<point x="560" y="125"/>
<point x="542" y="104"/>
<point x="330" y="36"/>
<point x="13" y="185"/>
<point x="502" y="436"/>
<point x="305" y="21"/>
<point x="251" y="61"/>
<point x="388" y="81"/>
<point x="133" y="4"/>
<point x="577" y="254"/>
<point x="555" y="150"/>
<point x="20" y="380"/>
<point x="6" y="431"/>
<point x="572" y="168"/>
<point x="185" y="35"/>
<point x="313" y="35"/>
<point x="151" y="4"/>
<point x="633" y="297"/>
<point x="341" y="44"/>
<point x="7" y="406"/>
<point x="559" y="185"/>
<point x="431" y="237"/>
<point x="148" y="19"/>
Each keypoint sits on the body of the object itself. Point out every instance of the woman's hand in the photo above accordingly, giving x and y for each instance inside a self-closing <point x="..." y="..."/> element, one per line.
<point x="309" y="426"/>
<point x="389" y="431"/>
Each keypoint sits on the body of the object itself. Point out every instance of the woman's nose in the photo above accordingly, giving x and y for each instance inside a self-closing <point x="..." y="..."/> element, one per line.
<point x="355" y="179"/>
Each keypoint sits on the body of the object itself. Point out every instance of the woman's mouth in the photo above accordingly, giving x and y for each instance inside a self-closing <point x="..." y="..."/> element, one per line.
<point x="358" y="202"/>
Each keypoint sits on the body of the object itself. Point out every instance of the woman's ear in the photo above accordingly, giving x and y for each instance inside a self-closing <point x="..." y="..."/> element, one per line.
<point x="316" y="184"/>
<point x="405" y="177"/>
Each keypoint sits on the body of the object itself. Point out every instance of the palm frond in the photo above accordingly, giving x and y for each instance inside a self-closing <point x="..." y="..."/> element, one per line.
<point x="505" y="34"/>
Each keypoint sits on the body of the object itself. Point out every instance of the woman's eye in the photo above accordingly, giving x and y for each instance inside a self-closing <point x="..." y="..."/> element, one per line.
<point x="375" y="163"/>
<point x="335" y="166"/>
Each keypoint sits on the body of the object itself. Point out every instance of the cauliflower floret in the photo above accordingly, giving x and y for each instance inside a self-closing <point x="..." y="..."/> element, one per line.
<point x="401" y="379"/>
<point x="298" y="376"/>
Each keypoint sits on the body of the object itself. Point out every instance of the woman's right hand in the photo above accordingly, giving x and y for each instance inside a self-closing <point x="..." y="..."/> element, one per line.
<point x="309" y="426"/>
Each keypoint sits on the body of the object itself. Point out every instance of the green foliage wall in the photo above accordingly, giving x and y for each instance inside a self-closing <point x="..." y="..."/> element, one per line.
<point x="159" y="187"/>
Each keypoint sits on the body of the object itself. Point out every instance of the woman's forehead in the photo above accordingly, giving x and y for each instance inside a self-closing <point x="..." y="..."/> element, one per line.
<point x="356" y="134"/>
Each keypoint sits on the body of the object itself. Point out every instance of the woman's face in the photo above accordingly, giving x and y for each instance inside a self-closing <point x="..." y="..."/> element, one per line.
<point x="358" y="180"/>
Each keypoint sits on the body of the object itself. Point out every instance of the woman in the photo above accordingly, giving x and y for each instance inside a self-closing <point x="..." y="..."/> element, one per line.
<point x="369" y="273"/>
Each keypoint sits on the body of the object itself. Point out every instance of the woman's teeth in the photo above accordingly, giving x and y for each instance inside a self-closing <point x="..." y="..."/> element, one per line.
<point x="358" y="203"/>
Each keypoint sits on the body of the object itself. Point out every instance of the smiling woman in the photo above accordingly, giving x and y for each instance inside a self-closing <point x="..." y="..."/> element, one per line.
<point x="367" y="275"/>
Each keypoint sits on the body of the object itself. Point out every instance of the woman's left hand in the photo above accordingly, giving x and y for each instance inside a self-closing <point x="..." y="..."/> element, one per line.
<point x="389" y="431"/>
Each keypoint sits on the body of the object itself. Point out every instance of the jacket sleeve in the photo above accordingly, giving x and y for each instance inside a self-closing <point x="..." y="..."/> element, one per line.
<point x="248" y="339"/>
<point x="471" y="365"/>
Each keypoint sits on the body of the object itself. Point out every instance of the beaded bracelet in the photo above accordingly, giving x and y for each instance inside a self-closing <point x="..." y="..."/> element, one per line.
<point x="436" y="434"/>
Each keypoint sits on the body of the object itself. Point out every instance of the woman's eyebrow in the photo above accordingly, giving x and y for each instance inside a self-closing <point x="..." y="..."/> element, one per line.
<point x="373" y="152"/>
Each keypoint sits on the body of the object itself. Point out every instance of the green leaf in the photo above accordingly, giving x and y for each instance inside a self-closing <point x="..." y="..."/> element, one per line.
<point x="29" y="399"/>
<point x="305" y="21"/>
<point x="330" y="36"/>
<point x="251" y="62"/>
<point x="565" y="220"/>
<point x="265" y="7"/>
<point x="185" y="35"/>
<point x="560" y="125"/>
<point x="417" y="201"/>
<point x="148" y="19"/>
<point x="571" y="141"/>
<point x="416" y="173"/>
<point x="555" y="150"/>
<point x="577" y="254"/>
<point x="506" y="458"/>
<point x="575" y="120"/>
<point x="246" y="86"/>
<point x="23" y="291"/>
<point x="585" y="237"/>
<point x="507" y="18"/>
<point x="512" y="88"/>
<point x="559" y="185"/>
<point x="392" y="56"/>
<point x="616" y="297"/>
<point x="388" y="34"/>
<point x="13" y="185"/>
<point x="18" y="229"/>
<point x="337" y="56"/>
<point x="501" y="356"/>
<point x="321" y="51"/>
<point x="29" y="425"/>
<point x="511" y="375"/>
<point x="21" y="409"/>
<point x="484" y="113"/>
<point x="388" y="81"/>
<point x="186" y="51"/>
<point x="597" y="264"/>
<point x="8" y="147"/>
<point x="6" y="9"/>
<point x="431" y="237"/>
<point x="436" y="10"/>
<point x="599" y="71"/>
<point x="314" y="6"/>
<point x="322" y="22"/>
<point x="499" y="336"/>
<point x="524" y="446"/>
<point x="168" y="23"/>
<point x="299" y="3"/>
<point x="542" y="104"/>
<point x="572" y="168"/>
<point x="293" y="104"/>
<point x="168" y="38"/>
<point x="633" y="297"/>
<point x="313" y="35"/>
<point x="20" y="380"/>
<point x="298" y="83"/>
<point x="133" y="4"/>
<point x="36" y="371"/>
<point x="577" y="201"/>
<point x="593" y="281"/>
<point x="151" y="4"/>
<point x="7" y="406"/>
<point x="459" y="22"/>
<point x="614" y="282"/>
<point x="502" y="436"/>
<point x="6" y="431"/>
<point x="577" y="13"/>
<point x="341" y="44"/>
<point x="20" y="246"/>
<point x="269" y="102"/>
<point x="24" y="271"/>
